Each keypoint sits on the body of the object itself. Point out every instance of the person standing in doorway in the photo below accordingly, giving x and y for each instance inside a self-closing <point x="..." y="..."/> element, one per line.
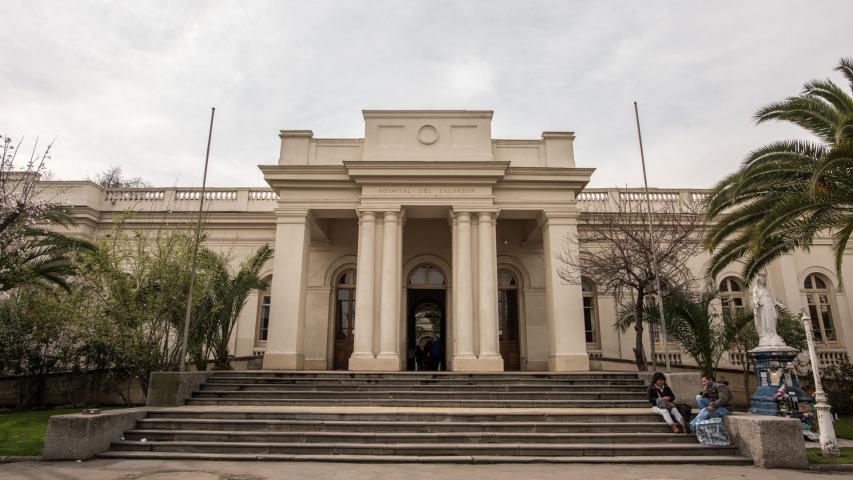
<point x="419" y="358"/>
<point x="436" y="351"/>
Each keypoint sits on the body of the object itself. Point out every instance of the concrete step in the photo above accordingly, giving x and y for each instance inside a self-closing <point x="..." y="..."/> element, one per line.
<point x="419" y="402"/>
<point x="427" y="449"/>
<point x="161" y="435"/>
<point x="422" y="381"/>
<point x="489" y="376"/>
<point x="462" y="388"/>
<point x="399" y="426"/>
<point x="413" y="394"/>
<point x="264" y="414"/>
<point x="461" y="459"/>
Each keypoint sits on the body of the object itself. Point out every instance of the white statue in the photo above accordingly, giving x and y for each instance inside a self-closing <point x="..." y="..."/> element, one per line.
<point x="764" y="305"/>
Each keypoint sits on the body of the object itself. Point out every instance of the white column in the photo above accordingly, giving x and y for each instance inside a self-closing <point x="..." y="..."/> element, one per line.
<point x="463" y="313"/>
<point x="390" y="294"/>
<point x="398" y="282"/>
<point x="488" y="295"/>
<point x="563" y="297"/>
<point x="364" y="294"/>
<point x="288" y="290"/>
<point x="452" y="344"/>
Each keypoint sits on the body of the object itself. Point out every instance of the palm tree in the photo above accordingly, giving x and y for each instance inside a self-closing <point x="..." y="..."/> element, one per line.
<point x="702" y="332"/>
<point x="33" y="255"/>
<point x="789" y="191"/>
<point x="695" y="323"/>
<point x="222" y="300"/>
<point x="30" y="252"/>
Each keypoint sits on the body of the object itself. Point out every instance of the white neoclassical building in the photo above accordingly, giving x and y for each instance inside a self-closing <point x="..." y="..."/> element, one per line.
<point x="429" y="230"/>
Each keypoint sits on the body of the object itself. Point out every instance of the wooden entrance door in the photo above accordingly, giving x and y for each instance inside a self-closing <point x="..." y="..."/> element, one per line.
<point x="508" y="334"/>
<point x="344" y="319"/>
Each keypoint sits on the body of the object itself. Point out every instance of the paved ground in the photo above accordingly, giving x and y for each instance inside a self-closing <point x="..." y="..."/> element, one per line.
<point x="191" y="470"/>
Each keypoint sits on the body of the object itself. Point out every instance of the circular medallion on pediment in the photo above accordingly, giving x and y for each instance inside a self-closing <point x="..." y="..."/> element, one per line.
<point x="427" y="135"/>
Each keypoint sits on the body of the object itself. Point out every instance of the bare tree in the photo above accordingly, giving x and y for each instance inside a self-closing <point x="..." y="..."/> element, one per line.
<point x="614" y="249"/>
<point x="113" y="177"/>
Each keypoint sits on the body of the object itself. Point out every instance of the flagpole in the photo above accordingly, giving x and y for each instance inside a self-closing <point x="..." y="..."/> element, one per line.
<point x="653" y="249"/>
<point x="188" y="315"/>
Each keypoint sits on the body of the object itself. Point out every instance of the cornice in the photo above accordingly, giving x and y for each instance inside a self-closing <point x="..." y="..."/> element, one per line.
<point x="425" y="171"/>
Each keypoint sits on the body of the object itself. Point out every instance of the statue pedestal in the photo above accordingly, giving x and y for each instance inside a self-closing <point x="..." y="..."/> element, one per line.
<point x="773" y="368"/>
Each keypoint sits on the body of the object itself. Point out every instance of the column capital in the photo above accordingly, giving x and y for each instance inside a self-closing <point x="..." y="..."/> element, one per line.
<point x="460" y="217"/>
<point x="366" y="216"/>
<point x="390" y="215"/>
<point x="558" y="217"/>
<point x="292" y="216"/>
<point x="451" y="218"/>
<point x="487" y="216"/>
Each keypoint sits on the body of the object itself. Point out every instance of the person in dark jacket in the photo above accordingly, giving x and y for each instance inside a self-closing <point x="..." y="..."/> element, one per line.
<point x="436" y="351"/>
<point x="419" y="358"/>
<point x="717" y="408"/>
<point x="708" y="393"/>
<point x="661" y="398"/>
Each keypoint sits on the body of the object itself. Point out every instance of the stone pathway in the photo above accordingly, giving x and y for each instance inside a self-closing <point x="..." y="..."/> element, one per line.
<point x="195" y="470"/>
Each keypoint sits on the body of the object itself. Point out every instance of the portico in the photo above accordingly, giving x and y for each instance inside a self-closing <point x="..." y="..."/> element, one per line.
<point x="425" y="189"/>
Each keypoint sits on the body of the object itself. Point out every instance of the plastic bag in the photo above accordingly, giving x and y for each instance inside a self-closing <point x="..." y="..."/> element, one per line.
<point x="712" y="432"/>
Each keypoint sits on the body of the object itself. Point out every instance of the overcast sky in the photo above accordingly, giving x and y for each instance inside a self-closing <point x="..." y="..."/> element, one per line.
<point x="131" y="84"/>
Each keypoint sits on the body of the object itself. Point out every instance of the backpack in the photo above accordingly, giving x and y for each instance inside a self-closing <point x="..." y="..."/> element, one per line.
<point x="686" y="412"/>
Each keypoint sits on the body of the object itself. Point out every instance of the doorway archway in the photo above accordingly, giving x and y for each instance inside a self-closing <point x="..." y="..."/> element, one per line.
<point x="426" y="319"/>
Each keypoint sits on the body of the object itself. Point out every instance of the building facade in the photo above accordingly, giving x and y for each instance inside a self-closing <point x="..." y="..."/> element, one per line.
<point x="429" y="233"/>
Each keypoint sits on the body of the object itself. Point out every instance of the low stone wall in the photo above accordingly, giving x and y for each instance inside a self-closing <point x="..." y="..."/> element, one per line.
<point x="771" y="442"/>
<point x="169" y="389"/>
<point x="100" y="388"/>
<point x="78" y="436"/>
<point x="77" y="388"/>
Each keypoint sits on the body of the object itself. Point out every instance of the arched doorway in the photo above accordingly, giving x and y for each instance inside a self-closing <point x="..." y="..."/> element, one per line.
<point x="508" y="332"/>
<point x="426" y="324"/>
<point x="344" y="319"/>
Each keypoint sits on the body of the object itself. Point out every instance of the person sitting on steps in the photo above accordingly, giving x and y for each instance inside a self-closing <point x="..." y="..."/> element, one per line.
<point x="708" y="393"/>
<point x="720" y="407"/>
<point x="661" y="398"/>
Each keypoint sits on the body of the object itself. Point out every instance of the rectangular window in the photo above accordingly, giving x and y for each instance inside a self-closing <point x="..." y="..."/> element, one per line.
<point x="263" y="329"/>
<point x="589" y="319"/>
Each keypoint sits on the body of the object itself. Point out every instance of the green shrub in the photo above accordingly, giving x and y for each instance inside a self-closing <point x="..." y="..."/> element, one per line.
<point x="838" y="383"/>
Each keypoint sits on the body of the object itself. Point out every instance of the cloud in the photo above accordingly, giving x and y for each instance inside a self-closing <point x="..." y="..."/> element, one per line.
<point x="131" y="83"/>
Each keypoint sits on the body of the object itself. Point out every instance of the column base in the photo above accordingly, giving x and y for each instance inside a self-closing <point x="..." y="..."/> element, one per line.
<point x="284" y="361"/>
<point x="568" y="363"/>
<point x="481" y="364"/>
<point x="380" y="363"/>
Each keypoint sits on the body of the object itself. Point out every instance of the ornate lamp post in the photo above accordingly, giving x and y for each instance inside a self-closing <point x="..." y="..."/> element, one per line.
<point x="828" y="443"/>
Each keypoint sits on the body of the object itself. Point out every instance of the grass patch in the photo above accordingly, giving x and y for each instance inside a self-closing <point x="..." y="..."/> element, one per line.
<point x="22" y="433"/>
<point x="846" y="456"/>
<point x="844" y="427"/>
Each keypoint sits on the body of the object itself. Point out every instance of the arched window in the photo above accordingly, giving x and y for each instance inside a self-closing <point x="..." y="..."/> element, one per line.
<point x="821" y="308"/>
<point x="262" y="323"/>
<point x="345" y="305"/>
<point x="426" y="276"/>
<point x="732" y="296"/>
<point x="590" y="311"/>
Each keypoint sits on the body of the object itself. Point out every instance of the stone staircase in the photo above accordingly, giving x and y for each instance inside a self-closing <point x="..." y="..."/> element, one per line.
<point x="416" y="417"/>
